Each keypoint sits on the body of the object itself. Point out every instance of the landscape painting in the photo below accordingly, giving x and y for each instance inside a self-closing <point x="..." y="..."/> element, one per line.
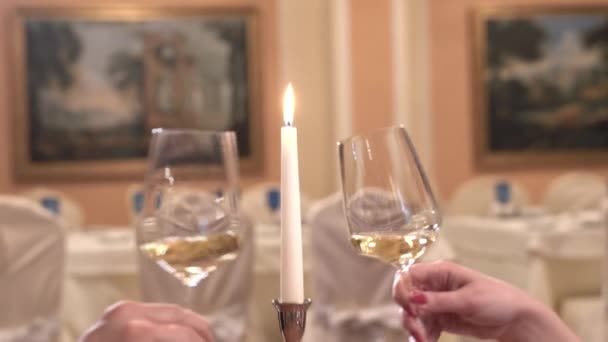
<point x="542" y="85"/>
<point x="96" y="84"/>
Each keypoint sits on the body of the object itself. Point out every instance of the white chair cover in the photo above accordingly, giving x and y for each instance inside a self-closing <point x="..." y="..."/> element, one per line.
<point x="69" y="210"/>
<point x="574" y="191"/>
<point x="101" y="269"/>
<point x="551" y="258"/>
<point x="585" y="316"/>
<point x="254" y="203"/>
<point x="31" y="275"/>
<point x="223" y="297"/>
<point x="571" y="263"/>
<point x="566" y="264"/>
<point x="352" y="293"/>
<point x="500" y="251"/>
<point x="476" y="196"/>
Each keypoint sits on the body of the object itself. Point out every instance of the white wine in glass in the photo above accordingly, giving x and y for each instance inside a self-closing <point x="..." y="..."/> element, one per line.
<point x="187" y="258"/>
<point x="393" y="247"/>
<point x="186" y="229"/>
<point x="391" y="212"/>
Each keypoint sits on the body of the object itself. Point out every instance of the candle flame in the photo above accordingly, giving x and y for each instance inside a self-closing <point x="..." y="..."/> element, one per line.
<point x="288" y="105"/>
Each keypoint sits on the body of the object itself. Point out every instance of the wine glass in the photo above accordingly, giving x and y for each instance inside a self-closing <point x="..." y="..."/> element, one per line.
<point x="391" y="211"/>
<point x="186" y="226"/>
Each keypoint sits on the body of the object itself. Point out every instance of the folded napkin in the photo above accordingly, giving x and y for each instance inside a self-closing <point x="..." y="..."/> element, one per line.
<point x="370" y="324"/>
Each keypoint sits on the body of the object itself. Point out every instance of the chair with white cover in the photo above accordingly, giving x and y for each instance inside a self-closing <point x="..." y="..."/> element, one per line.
<point x="496" y="247"/>
<point x="585" y="315"/>
<point x="223" y="297"/>
<point x="574" y="191"/>
<point x="477" y="195"/>
<point x="352" y="293"/>
<point x="571" y="263"/>
<point x="60" y="204"/>
<point x="262" y="203"/>
<point x="499" y="250"/>
<point x="31" y="271"/>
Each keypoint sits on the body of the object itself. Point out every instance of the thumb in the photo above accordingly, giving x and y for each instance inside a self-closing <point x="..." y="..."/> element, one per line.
<point x="447" y="302"/>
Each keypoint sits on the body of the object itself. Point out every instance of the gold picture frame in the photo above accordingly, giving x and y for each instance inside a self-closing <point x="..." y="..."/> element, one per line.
<point x="157" y="60"/>
<point x="525" y="115"/>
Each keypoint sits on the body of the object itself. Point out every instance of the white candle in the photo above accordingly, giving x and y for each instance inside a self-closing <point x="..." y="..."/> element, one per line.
<point x="292" y="270"/>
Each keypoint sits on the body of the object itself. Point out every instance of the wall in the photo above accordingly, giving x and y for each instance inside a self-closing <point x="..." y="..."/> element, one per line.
<point x="371" y="65"/>
<point x="105" y="202"/>
<point x="304" y="53"/>
<point x="296" y="47"/>
<point x="452" y="99"/>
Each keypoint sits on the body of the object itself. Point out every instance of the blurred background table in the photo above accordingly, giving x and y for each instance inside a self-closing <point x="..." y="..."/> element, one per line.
<point x="102" y="269"/>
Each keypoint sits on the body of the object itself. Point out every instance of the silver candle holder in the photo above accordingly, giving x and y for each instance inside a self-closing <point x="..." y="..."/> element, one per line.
<point x="292" y="319"/>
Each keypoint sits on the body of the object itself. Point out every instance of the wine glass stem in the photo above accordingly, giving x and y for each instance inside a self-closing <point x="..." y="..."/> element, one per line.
<point x="404" y="269"/>
<point x="189" y="298"/>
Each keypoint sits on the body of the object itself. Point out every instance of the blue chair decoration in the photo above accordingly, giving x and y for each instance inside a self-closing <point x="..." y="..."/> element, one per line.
<point x="273" y="199"/>
<point x="138" y="202"/>
<point x="503" y="192"/>
<point x="51" y="204"/>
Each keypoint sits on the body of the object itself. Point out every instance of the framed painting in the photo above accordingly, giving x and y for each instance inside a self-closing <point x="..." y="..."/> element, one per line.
<point x="541" y="86"/>
<point x="91" y="83"/>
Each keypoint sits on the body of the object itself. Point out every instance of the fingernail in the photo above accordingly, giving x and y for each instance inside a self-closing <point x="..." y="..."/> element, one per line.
<point x="418" y="297"/>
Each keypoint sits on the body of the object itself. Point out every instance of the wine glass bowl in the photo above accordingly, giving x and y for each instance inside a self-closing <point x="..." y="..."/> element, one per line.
<point x="391" y="212"/>
<point x="186" y="229"/>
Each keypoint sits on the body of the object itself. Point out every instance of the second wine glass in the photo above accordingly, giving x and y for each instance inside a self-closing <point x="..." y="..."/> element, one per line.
<point x="391" y="211"/>
<point x="189" y="222"/>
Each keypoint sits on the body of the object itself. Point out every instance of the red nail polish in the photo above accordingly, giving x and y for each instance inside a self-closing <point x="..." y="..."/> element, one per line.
<point x="418" y="297"/>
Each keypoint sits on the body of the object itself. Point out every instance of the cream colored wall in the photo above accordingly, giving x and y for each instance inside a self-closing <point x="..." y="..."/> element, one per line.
<point x="104" y="202"/>
<point x="452" y="98"/>
<point x="304" y="47"/>
<point x="410" y="74"/>
<point x="371" y="65"/>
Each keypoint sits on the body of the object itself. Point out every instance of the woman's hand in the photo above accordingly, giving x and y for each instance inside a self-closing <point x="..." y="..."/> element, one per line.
<point x="443" y="296"/>
<point x="135" y="322"/>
